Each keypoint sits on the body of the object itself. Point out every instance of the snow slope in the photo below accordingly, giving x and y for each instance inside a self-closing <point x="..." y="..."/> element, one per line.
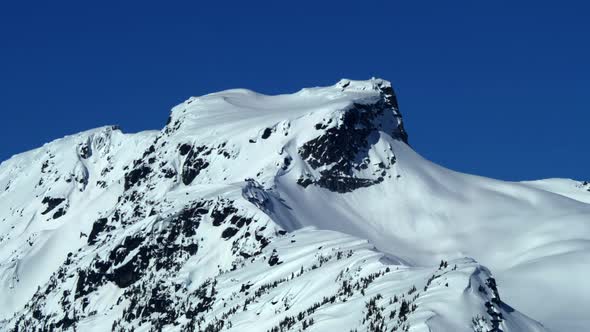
<point x="262" y="213"/>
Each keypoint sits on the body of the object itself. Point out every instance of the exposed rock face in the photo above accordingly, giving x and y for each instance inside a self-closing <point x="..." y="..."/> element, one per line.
<point x="52" y="203"/>
<point x="193" y="163"/>
<point x="342" y="149"/>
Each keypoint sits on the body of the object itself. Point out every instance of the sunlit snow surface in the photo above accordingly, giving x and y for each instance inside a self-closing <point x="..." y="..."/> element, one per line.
<point x="250" y="212"/>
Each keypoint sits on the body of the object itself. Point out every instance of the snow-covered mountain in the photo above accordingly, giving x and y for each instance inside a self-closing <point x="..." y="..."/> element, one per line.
<point x="307" y="211"/>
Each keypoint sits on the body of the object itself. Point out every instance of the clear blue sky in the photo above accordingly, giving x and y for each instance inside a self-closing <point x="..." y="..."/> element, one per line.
<point x="496" y="88"/>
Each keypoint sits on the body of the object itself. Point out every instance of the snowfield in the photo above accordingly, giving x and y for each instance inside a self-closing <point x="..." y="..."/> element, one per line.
<point x="306" y="211"/>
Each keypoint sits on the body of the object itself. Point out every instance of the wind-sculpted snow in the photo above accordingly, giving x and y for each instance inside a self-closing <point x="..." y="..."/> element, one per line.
<point x="294" y="212"/>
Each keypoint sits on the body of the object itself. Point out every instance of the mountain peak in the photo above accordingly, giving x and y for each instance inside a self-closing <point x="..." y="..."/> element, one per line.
<point x="249" y="111"/>
<point x="330" y="131"/>
<point x="249" y="212"/>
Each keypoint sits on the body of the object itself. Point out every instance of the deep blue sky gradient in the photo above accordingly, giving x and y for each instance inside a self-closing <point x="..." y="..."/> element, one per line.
<point x="495" y="88"/>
